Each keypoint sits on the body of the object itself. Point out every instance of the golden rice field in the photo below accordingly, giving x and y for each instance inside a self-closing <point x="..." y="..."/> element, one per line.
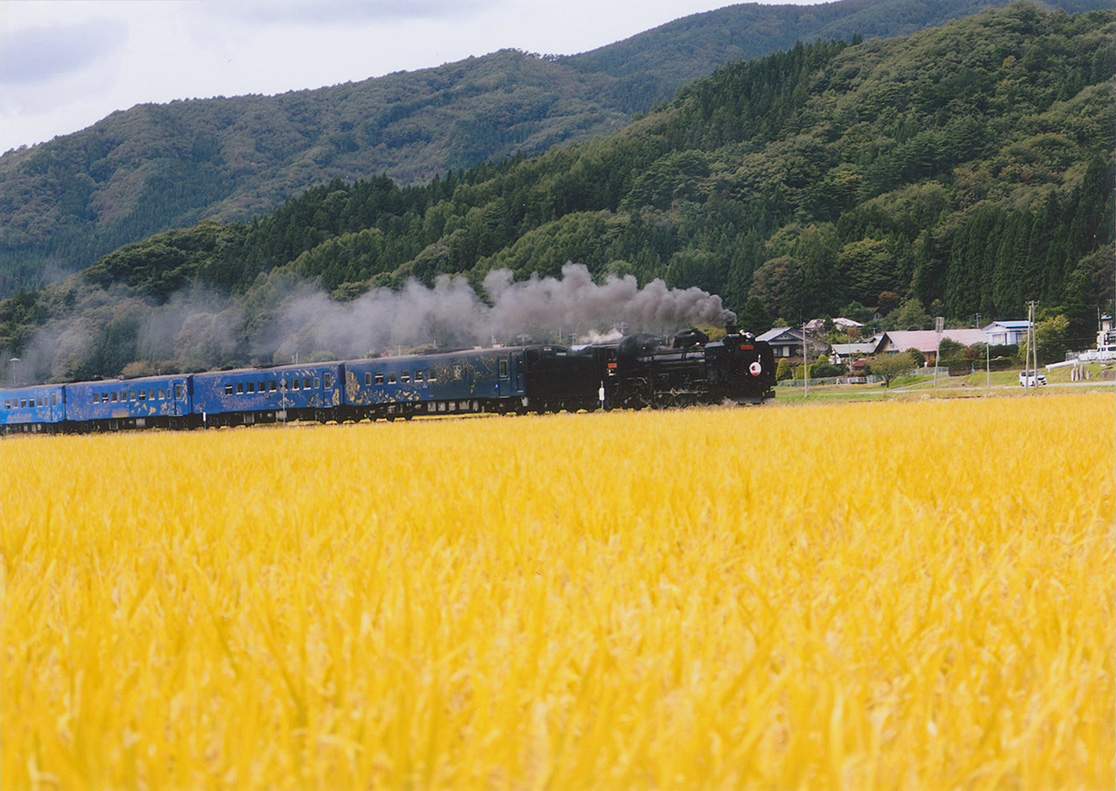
<point x="911" y="595"/>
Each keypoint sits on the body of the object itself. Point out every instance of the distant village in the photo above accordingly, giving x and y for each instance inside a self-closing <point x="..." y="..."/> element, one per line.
<point x="960" y="350"/>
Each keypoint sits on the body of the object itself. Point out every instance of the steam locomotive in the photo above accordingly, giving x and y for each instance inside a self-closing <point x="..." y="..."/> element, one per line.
<point x="635" y="372"/>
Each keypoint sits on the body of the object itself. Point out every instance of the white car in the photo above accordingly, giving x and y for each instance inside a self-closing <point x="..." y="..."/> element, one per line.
<point x="1030" y="378"/>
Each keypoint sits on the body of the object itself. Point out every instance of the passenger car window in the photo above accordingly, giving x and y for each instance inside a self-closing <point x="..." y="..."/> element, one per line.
<point x="367" y="378"/>
<point x="228" y="390"/>
<point x="379" y="379"/>
<point x="405" y="376"/>
<point x="328" y="379"/>
<point x="503" y="368"/>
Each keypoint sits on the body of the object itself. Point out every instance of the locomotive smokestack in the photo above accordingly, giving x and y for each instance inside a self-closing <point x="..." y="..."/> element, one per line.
<point x="730" y="327"/>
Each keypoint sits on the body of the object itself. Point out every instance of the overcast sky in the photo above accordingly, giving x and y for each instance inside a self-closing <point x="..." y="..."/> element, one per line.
<point x="66" y="64"/>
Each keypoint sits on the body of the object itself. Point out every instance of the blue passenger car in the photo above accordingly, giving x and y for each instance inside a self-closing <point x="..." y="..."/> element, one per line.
<point x="482" y="380"/>
<point x="108" y="405"/>
<point x="32" y="409"/>
<point x="267" y="395"/>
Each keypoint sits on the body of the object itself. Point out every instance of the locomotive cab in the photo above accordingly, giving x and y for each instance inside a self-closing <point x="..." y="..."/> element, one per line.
<point x="740" y="368"/>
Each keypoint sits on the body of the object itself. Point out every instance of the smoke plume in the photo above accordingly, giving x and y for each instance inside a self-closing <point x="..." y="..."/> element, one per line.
<point x="572" y="308"/>
<point x="113" y="332"/>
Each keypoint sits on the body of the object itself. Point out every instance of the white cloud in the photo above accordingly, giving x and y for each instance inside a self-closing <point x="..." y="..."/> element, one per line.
<point x="66" y="65"/>
<point x="39" y="54"/>
<point x="347" y="12"/>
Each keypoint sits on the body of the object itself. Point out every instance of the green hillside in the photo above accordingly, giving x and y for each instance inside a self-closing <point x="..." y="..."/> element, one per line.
<point x="155" y="167"/>
<point x="967" y="168"/>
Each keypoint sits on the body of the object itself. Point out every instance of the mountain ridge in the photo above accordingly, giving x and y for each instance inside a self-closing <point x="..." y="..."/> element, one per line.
<point x="153" y="167"/>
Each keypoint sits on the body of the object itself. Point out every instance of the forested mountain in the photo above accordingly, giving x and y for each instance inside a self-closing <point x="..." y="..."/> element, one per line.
<point x="155" y="167"/>
<point x="967" y="169"/>
<point x="654" y="64"/>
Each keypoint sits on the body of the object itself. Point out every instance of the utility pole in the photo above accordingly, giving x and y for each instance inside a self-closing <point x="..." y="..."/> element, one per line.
<point x="939" y="326"/>
<point x="987" y="358"/>
<point x="1032" y="350"/>
<point x="805" y="365"/>
<point x="987" y="364"/>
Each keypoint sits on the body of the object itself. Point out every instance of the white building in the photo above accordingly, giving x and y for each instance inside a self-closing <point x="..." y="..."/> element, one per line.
<point x="1106" y="343"/>
<point x="1106" y="335"/>
<point x="1006" y="333"/>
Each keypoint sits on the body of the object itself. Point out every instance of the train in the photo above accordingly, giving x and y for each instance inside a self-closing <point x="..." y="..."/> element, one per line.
<point x="635" y="372"/>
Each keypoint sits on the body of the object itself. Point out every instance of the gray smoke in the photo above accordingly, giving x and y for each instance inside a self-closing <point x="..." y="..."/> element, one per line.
<point x="109" y="331"/>
<point x="572" y="308"/>
<point x="284" y="317"/>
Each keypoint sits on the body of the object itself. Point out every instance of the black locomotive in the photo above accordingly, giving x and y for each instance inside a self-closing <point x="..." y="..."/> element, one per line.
<point x="645" y="371"/>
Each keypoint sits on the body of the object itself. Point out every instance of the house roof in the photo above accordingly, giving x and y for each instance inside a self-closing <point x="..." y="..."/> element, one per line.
<point x="845" y="349"/>
<point x="869" y="346"/>
<point x="816" y="324"/>
<point x="1007" y="325"/>
<point x="778" y="333"/>
<point x="927" y="340"/>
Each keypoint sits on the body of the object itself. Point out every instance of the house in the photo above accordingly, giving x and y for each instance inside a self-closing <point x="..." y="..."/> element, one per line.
<point x="1106" y="343"/>
<point x="841" y="324"/>
<point x="926" y="341"/>
<point x="787" y="342"/>
<point x="1106" y="335"/>
<point x="1005" y="333"/>
<point x="847" y="352"/>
